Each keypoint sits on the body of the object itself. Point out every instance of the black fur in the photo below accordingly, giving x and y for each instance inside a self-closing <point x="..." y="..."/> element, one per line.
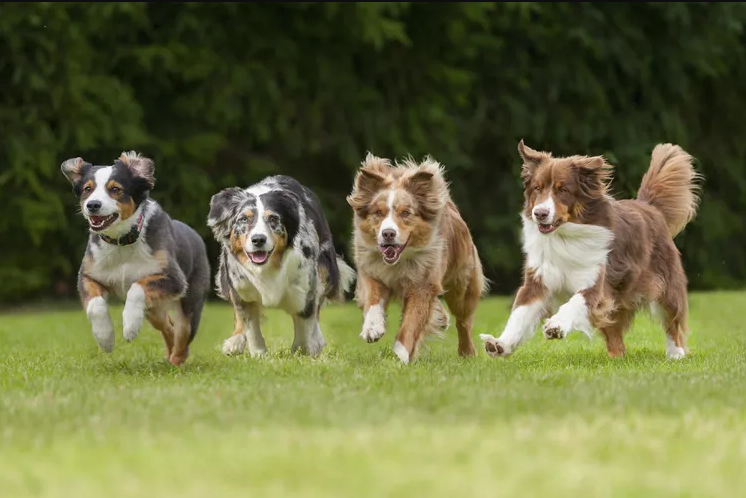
<point x="285" y="204"/>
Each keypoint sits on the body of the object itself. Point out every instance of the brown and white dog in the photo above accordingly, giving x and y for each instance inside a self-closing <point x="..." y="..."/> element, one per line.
<point x="611" y="257"/>
<point x="410" y="242"/>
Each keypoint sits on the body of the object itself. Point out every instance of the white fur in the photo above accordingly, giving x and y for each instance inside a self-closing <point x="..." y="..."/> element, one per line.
<point x="134" y="312"/>
<point x="103" y="330"/>
<point x="573" y="315"/>
<point x="401" y="352"/>
<point x="374" y="325"/>
<point x="307" y="336"/>
<point x="549" y="204"/>
<point x="260" y="228"/>
<point x="388" y="222"/>
<point x="235" y="344"/>
<point x="568" y="259"/>
<point x="673" y="352"/>
<point x="108" y="205"/>
<point x="118" y="267"/>
<point x="521" y="326"/>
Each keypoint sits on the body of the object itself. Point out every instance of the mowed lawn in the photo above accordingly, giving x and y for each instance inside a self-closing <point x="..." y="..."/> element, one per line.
<point x="555" y="419"/>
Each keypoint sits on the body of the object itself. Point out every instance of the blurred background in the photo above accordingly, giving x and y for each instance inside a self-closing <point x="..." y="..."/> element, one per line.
<point x="224" y="94"/>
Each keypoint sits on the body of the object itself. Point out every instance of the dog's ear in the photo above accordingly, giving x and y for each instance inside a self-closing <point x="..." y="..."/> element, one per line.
<point x="74" y="169"/>
<point x="369" y="180"/>
<point x="531" y="160"/>
<point x="223" y="207"/>
<point x="429" y="188"/>
<point x="593" y="174"/>
<point x="139" y="166"/>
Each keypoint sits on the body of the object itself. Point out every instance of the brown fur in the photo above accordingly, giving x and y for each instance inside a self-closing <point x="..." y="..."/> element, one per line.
<point x="126" y="208"/>
<point x="644" y="265"/>
<point x="439" y="258"/>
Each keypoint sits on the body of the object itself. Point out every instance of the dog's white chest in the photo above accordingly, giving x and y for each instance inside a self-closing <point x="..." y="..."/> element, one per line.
<point x="118" y="267"/>
<point x="286" y="287"/>
<point x="568" y="260"/>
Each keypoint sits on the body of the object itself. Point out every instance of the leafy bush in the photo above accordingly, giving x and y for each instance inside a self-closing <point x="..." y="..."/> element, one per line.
<point x="224" y="94"/>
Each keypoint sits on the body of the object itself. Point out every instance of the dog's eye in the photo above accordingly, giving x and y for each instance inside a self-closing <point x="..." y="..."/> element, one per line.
<point x="87" y="189"/>
<point x="561" y="189"/>
<point x="114" y="190"/>
<point x="378" y="212"/>
<point x="274" y="220"/>
<point x="537" y="188"/>
<point x="404" y="213"/>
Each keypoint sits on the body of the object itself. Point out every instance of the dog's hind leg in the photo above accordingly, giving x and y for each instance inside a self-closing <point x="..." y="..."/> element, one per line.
<point x="464" y="306"/>
<point x="161" y="321"/>
<point x="613" y="331"/>
<point x="673" y="312"/>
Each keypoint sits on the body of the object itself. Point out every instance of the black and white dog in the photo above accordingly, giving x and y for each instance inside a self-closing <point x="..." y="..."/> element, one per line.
<point x="137" y="253"/>
<point x="277" y="252"/>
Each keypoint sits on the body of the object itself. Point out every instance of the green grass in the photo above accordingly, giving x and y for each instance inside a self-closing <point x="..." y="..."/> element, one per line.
<point x="555" y="419"/>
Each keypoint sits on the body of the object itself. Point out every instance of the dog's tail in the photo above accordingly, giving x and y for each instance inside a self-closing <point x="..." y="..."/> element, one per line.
<point x="671" y="185"/>
<point x="346" y="279"/>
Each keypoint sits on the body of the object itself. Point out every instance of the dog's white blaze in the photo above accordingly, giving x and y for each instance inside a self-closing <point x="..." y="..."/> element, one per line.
<point x="549" y="204"/>
<point x="573" y="315"/>
<point x="521" y="325"/>
<point x="388" y="222"/>
<point x="108" y="205"/>
<point x="103" y="330"/>
<point x="374" y="325"/>
<point x="401" y="352"/>
<point x="568" y="259"/>
<point x="260" y="228"/>
<point x="134" y="312"/>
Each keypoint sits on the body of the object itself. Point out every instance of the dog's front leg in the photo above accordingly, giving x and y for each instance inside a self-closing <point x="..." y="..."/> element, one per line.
<point x="308" y="338"/>
<point x="578" y="312"/>
<point x="375" y="303"/>
<point x="148" y="293"/>
<point x="247" y="329"/>
<point x="93" y="296"/>
<point x="529" y="307"/>
<point x="416" y="321"/>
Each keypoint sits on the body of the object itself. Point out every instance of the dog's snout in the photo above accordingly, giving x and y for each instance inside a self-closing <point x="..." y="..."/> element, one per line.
<point x="388" y="235"/>
<point x="541" y="213"/>
<point x="93" y="206"/>
<point x="258" y="240"/>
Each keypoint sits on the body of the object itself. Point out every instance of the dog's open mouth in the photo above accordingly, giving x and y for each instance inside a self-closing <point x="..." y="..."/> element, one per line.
<point x="391" y="252"/>
<point x="546" y="228"/>
<point x="259" y="257"/>
<point x="99" y="223"/>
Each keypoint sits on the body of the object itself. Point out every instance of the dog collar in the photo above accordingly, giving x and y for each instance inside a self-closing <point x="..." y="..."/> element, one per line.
<point x="129" y="237"/>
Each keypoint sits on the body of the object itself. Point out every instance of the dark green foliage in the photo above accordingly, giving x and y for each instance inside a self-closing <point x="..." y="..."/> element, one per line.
<point x="224" y="94"/>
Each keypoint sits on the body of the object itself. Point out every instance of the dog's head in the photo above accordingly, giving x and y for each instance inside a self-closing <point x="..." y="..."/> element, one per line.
<point x="110" y="195"/>
<point x="256" y="228"/>
<point x="398" y="207"/>
<point x="558" y="190"/>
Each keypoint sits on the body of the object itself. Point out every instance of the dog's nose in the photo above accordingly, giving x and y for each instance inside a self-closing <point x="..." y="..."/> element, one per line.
<point x="258" y="239"/>
<point x="93" y="206"/>
<point x="389" y="235"/>
<point x="541" y="213"/>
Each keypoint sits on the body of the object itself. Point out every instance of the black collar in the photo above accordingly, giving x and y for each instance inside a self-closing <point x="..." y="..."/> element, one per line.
<point x="129" y="237"/>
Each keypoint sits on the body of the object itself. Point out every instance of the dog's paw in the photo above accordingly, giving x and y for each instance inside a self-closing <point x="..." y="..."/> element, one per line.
<point x="374" y="326"/>
<point x="234" y="345"/>
<point x="401" y="352"/>
<point x="494" y="347"/>
<point x="103" y="329"/>
<point x="555" y="329"/>
<point x="134" y="312"/>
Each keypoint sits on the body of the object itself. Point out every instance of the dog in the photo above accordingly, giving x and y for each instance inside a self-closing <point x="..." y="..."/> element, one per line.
<point x="277" y="251"/>
<point x="611" y="257"/>
<point x="410" y="242"/>
<point x="137" y="253"/>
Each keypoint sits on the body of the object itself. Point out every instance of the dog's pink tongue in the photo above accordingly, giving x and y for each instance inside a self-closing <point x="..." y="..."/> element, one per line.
<point x="258" y="257"/>
<point x="97" y="220"/>
<point x="390" y="252"/>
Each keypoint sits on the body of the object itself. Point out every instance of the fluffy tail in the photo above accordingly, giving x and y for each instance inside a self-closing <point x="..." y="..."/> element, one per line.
<point x="670" y="185"/>
<point x="346" y="279"/>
